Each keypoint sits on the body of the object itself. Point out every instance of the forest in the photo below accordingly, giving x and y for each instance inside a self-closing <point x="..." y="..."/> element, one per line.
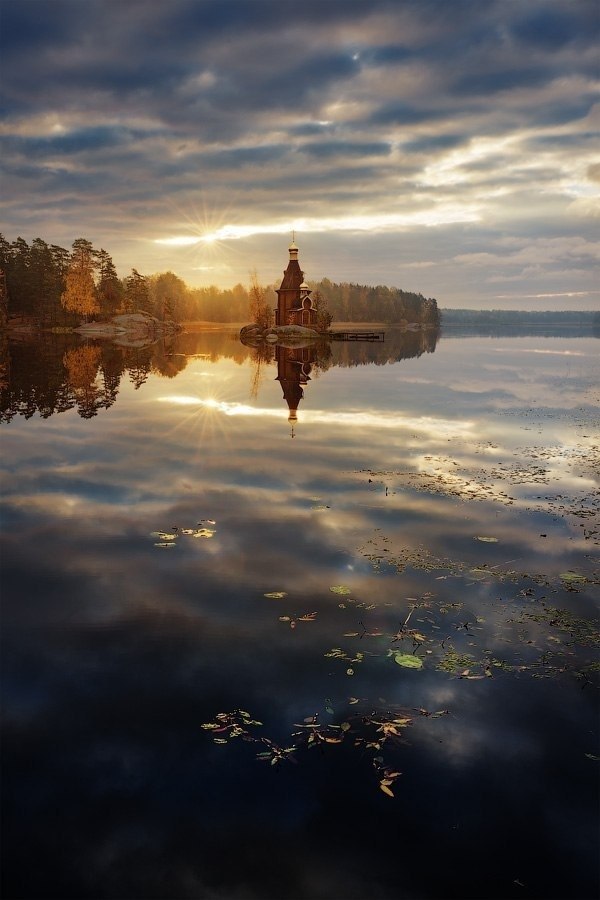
<point x="57" y="287"/>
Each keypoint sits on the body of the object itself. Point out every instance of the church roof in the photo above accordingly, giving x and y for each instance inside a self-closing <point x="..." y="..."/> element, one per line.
<point x="292" y="277"/>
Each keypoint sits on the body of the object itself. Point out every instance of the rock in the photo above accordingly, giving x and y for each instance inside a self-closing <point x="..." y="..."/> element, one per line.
<point x="251" y="330"/>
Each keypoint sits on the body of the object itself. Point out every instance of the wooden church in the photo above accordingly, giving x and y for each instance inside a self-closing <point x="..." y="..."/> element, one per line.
<point x="294" y="303"/>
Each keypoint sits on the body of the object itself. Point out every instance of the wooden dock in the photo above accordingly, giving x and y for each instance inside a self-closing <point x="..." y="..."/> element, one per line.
<point x="357" y="335"/>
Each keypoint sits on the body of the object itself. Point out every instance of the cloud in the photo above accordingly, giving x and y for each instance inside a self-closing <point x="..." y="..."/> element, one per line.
<point x="264" y="114"/>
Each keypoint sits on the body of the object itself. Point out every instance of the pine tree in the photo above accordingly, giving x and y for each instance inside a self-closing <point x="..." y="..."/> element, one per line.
<point x="137" y="293"/>
<point x="110" y="289"/>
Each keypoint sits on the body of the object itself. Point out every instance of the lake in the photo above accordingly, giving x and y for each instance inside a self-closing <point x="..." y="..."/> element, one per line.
<point x="312" y="622"/>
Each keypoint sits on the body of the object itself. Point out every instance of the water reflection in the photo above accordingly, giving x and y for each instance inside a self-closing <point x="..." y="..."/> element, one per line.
<point x="157" y="555"/>
<point x="60" y="372"/>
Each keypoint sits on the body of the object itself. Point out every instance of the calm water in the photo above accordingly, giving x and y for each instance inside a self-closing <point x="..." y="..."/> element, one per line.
<point x="425" y="671"/>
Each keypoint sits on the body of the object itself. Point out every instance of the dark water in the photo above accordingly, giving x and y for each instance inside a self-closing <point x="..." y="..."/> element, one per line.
<point x="153" y="497"/>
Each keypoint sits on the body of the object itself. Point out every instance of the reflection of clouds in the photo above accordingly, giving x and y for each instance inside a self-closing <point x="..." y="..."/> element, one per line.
<point x="434" y="427"/>
<point x="117" y="651"/>
<point x="538" y="350"/>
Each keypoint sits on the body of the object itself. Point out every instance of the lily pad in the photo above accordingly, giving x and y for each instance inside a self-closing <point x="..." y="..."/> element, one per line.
<point x="340" y="589"/>
<point x="408" y="661"/>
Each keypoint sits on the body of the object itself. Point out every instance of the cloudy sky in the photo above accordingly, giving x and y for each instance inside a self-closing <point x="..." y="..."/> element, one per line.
<point x="443" y="146"/>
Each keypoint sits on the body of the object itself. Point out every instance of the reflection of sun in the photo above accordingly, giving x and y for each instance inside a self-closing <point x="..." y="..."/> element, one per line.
<point x="204" y="422"/>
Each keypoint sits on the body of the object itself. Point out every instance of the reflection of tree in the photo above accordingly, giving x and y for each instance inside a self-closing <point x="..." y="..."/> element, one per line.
<point x="399" y="344"/>
<point x="59" y="373"/>
<point x="139" y="363"/>
<point x="81" y="365"/>
<point x="166" y="360"/>
<point x="111" y="368"/>
<point x="261" y="357"/>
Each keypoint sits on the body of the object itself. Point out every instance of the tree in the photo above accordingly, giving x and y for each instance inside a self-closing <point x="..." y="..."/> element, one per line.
<point x="261" y="312"/>
<point x="168" y="295"/>
<point x="324" y="317"/>
<point x="79" y="295"/>
<point x="137" y="294"/>
<point x="20" y="291"/>
<point x="110" y="289"/>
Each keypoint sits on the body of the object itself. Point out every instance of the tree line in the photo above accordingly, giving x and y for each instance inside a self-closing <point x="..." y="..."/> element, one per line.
<point x="60" y="287"/>
<point x="348" y="302"/>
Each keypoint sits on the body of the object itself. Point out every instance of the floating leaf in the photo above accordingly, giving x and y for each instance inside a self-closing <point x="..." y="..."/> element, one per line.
<point x="386" y="789"/>
<point x="276" y="595"/>
<point x="488" y="540"/>
<point x="340" y="589"/>
<point x="204" y="533"/>
<point x="408" y="661"/>
<point x="571" y="576"/>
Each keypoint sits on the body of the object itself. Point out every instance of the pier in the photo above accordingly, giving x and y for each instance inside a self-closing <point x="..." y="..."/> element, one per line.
<point x="357" y="335"/>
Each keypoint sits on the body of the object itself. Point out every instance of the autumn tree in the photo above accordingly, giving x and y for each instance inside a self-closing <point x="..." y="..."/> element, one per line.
<point x="324" y="317"/>
<point x="169" y="296"/>
<point x="79" y="295"/>
<point x="261" y="312"/>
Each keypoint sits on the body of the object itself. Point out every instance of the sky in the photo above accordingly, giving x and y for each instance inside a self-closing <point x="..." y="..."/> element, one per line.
<point x="449" y="148"/>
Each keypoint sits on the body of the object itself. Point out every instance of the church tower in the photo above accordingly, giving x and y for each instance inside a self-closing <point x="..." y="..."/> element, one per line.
<point x="294" y="303"/>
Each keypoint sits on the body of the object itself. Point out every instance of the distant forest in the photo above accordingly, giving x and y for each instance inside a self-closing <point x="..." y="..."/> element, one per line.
<point x="509" y="321"/>
<point x="58" y="287"/>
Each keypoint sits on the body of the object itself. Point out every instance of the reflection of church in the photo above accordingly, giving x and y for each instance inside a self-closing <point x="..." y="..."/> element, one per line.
<point x="294" y="303"/>
<point x="294" y="366"/>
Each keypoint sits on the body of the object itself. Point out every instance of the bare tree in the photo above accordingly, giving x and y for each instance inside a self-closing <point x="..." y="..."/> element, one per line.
<point x="261" y="312"/>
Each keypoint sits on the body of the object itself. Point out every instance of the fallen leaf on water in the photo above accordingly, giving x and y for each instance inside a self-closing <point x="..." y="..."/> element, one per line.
<point x="276" y="595"/>
<point x="339" y="589"/>
<point x="408" y="661"/>
<point x="488" y="540"/>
